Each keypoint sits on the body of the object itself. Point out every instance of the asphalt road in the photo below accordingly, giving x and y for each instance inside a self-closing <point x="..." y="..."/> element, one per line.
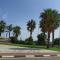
<point x="43" y="58"/>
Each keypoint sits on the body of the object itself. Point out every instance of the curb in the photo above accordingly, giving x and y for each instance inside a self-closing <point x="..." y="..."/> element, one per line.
<point x="29" y="56"/>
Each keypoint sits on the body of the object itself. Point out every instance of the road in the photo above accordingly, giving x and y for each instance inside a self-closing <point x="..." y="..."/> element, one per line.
<point x="43" y="58"/>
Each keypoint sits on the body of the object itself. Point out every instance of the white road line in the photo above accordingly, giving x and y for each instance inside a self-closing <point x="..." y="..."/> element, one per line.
<point x="58" y="55"/>
<point x="46" y="55"/>
<point x="8" y="56"/>
<point x="30" y="56"/>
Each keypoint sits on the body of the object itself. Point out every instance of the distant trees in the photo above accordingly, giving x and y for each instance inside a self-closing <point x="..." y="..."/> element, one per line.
<point x="31" y="25"/>
<point x="16" y="31"/>
<point x="49" y="19"/>
<point x="2" y="26"/>
<point x="9" y="28"/>
<point x="49" y="22"/>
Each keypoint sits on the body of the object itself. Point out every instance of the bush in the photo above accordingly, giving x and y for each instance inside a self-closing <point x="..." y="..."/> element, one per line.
<point x="21" y="42"/>
<point x="13" y="39"/>
<point x="29" y="41"/>
<point x="41" y="39"/>
<point x="56" y="41"/>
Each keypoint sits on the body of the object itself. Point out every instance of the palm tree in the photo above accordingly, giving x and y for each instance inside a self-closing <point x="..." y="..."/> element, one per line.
<point x="16" y="31"/>
<point x="9" y="28"/>
<point x="55" y="27"/>
<point x="49" y="19"/>
<point x="31" y="26"/>
<point x="2" y="26"/>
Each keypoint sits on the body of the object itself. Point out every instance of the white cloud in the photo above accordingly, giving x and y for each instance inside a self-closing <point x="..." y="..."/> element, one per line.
<point x="3" y="14"/>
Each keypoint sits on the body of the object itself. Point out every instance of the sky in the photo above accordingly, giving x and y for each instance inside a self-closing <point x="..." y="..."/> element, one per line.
<point x="19" y="12"/>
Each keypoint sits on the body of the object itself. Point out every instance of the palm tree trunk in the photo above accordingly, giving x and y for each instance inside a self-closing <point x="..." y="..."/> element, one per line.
<point x="58" y="43"/>
<point x="48" y="44"/>
<point x="9" y="34"/>
<point x="0" y="34"/>
<point x="6" y="35"/>
<point x="13" y="34"/>
<point x="30" y="34"/>
<point x="53" y="38"/>
<point x="16" y="36"/>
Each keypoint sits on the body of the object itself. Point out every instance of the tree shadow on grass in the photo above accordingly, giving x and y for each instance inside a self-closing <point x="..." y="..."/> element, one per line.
<point x="25" y="48"/>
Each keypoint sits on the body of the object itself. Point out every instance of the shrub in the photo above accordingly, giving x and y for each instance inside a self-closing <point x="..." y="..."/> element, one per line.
<point x="56" y="41"/>
<point x="13" y="39"/>
<point x="29" y="41"/>
<point x="21" y="42"/>
<point x="41" y="39"/>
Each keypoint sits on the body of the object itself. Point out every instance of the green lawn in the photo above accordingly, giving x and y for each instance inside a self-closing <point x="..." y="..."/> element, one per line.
<point x="54" y="49"/>
<point x="34" y="46"/>
<point x="30" y="46"/>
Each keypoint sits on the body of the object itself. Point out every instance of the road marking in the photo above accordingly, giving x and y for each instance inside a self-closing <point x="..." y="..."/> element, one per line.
<point x="46" y="55"/>
<point x="58" y="55"/>
<point x="30" y="56"/>
<point x="8" y="56"/>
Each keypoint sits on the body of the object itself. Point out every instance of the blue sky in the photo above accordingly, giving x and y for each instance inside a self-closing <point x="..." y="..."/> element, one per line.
<point x="18" y="12"/>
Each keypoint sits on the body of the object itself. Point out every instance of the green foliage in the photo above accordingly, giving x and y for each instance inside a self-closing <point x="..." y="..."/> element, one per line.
<point x="41" y="39"/>
<point x="13" y="39"/>
<point x="56" y="41"/>
<point x="9" y="28"/>
<point x="49" y="21"/>
<point x="2" y="26"/>
<point x="16" y="31"/>
<point x="31" y="26"/>
<point x="29" y="41"/>
<point x="21" y="42"/>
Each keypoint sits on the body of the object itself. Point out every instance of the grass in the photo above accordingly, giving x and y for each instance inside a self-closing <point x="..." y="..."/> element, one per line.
<point x="54" y="49"/>
<point x="2" y="38"/>
<point x="33" y="46"/>
<point x="29" y="46"/>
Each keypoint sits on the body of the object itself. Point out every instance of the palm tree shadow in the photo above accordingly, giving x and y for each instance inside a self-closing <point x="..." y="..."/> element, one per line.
<point x="24" y="48"/>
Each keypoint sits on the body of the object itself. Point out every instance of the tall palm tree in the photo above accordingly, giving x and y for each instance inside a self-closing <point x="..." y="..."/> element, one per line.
<point x="9" y="28"/>
<point x="31" y="26"/>
<point x="16" y="31"/>
<point x="2" y="26"/>
<point x="49" y="19"/>
<point x="55" y="27"/>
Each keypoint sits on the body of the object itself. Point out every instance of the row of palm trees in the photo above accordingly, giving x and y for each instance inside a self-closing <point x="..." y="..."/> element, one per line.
<point x="48" y="23"/>
<point x="9" y="28"/>
<point x="16" y="29"/>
